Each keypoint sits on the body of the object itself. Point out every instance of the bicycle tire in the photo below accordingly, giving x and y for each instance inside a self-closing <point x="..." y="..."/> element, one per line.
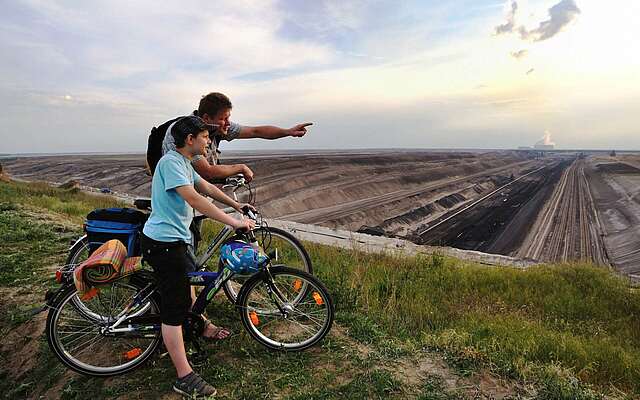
<point x="233" y="286"/>
<point x="55" y="330"/>
<point x="77" y="255"/>
<point x="269" y="325"/>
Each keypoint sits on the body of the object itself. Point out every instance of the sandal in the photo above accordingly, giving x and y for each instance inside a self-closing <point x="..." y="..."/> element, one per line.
<point x="217" y="333"/>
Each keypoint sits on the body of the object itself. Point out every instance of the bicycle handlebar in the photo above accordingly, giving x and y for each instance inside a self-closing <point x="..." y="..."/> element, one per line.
<point x="249" y="213"/>
<point x="235" y="181"/>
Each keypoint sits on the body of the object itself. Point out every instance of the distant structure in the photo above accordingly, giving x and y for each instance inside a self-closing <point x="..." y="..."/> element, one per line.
<point x="545" y="143"/>
<point x="612" y="154"/>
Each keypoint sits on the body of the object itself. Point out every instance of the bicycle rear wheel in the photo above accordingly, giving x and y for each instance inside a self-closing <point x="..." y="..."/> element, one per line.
<point x="274" y="314"/>
<point x="91" y="309"/>
<point x="80" y="342"/>
<point x="289" y="250"/>
<point x="78" y="254"/>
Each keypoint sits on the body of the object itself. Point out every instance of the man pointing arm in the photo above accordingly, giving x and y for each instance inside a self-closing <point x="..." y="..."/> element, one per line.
<point x="215" y="110"/>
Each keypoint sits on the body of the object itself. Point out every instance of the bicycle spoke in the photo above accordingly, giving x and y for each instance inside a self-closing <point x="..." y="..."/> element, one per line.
<point x="312" y="319"/>
<point x="89" y="344"/>
<point x="83" y="344"/>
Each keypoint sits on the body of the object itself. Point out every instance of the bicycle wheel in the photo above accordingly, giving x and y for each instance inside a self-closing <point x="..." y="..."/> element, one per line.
<point x="78" y="254"/>
<point x="80" y="342"/>
<point x="289" y="250"/>
<point x="273" y="316"/>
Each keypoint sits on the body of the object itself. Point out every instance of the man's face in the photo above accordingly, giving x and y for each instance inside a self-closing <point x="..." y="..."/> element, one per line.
<point x="221" y="119"/>
<point x="198" y="145"/>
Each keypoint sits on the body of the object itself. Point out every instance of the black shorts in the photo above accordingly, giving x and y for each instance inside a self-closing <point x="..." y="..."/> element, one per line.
<point x="170" y="261"/>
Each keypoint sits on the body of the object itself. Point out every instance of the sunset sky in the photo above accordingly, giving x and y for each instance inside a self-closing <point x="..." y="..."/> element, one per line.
<point x="97" y="75"/>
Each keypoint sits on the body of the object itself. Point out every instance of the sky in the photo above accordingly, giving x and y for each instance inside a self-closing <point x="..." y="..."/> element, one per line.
<point x="96" y="75"/>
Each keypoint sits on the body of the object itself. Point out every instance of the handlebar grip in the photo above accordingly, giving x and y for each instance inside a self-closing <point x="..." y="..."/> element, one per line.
<point x="249" y="212"/>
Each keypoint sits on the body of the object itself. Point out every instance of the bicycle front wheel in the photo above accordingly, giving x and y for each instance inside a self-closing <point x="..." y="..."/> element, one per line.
<point x="289" y="251"/>
<point x="274" y="314"/>
<point x="80" y="341"/>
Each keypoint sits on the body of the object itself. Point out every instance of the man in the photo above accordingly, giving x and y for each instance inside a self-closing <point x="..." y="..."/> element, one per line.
<point x="166" y="234"/>
<point x="215" y="110"/>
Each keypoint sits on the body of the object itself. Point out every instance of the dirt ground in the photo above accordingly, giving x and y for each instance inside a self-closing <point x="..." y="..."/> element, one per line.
<point x="616" y="191"/>
<point x="402" y="193"/>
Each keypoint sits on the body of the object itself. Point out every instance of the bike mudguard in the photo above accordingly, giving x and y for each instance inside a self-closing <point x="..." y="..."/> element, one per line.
<point x="52" y="295"/>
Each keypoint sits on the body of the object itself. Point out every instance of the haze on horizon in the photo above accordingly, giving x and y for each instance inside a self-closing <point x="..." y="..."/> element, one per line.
<point x="96" y="76"/>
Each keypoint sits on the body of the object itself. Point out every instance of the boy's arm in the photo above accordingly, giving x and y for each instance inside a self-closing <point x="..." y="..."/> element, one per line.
<point x="216" y="194"/>
<point x="200" y="203"/>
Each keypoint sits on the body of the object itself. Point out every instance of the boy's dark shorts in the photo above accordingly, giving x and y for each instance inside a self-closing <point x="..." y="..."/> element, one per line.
<point x="170" y="261"/>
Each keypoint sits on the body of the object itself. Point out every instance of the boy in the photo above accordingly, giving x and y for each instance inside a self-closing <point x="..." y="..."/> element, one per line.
<point x="166" y="234"/>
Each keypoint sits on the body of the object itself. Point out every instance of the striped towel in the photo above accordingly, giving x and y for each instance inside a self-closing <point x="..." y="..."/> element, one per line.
<point x="107" y="263"/>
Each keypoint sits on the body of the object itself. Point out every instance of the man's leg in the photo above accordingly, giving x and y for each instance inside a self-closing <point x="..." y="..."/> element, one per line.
<point x="172" y="337"/>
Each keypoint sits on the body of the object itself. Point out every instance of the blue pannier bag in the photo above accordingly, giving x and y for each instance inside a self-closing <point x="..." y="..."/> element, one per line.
<point x="124" y="224"/>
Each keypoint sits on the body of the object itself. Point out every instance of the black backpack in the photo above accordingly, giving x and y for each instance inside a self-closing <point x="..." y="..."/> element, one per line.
<point x="154" y="145"/>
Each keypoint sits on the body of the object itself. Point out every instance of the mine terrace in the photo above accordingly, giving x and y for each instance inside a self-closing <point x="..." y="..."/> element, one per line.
<point x="543" y="205"/>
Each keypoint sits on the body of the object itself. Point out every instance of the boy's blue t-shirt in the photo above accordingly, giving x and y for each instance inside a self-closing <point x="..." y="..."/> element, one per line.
<point x="170" y="215"/>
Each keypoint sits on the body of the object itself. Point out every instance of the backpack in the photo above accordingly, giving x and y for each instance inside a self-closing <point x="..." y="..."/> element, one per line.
<point x="124" y="224"/>
<point x="154" y="145"/>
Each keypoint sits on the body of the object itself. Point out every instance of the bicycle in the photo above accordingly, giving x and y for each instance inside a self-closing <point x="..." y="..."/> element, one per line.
<point x="280" y="307"/>
<point x="288" y="249"/>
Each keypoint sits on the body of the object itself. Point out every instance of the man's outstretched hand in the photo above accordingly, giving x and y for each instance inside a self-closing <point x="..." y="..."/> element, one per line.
<point x="299" y="130"/>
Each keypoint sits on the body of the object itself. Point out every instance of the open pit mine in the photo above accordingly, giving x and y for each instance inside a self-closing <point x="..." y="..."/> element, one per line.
<point x="543" y="205"/>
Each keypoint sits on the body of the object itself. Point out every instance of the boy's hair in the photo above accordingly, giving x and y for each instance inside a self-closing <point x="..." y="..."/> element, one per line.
<point x="191" y="125"/>
<point x="213" y="103"/>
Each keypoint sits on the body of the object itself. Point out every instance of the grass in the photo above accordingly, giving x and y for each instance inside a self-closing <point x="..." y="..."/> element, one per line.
<point x="71" y="203"/>
<point x="27" y="247"/>
<point x="579" y="319"/>
<point x="567" y="331"/>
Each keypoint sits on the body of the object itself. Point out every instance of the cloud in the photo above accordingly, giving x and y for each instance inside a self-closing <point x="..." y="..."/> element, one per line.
<point x="519" y="54"/>
<point x="510" y="24"/>
<point x="530" y="71"/>
<point x="560" y="15"/>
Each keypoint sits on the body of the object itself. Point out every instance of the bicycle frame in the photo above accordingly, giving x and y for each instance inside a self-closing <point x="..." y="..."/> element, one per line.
<point x="215" y="244"/>
<point x="212" y="282"/>
<point x="224" y="233"/>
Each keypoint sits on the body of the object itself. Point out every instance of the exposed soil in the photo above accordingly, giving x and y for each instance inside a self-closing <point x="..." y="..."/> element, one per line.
<point x="500" y="223"/>
<point x="617" y="168"/>
<point x="616" y="195"/>
<point x="403" y="193"/>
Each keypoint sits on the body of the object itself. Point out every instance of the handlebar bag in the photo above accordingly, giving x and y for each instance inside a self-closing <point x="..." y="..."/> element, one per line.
<point x="123" y="224"/>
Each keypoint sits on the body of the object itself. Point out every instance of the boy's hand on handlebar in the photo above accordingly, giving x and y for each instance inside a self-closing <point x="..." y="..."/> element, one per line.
<point x="244" y="225"/>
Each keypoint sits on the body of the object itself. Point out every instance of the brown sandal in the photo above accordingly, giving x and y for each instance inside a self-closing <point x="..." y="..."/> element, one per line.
<point x="218" y="332"/>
